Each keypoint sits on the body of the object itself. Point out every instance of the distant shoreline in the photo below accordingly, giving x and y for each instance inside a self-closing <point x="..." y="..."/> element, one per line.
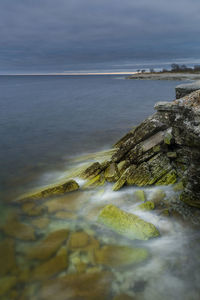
<point x="165" y="76"/>
<point x="72" y="74"/>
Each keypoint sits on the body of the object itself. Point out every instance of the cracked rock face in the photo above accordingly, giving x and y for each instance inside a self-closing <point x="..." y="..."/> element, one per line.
<point x="164" y="149"/>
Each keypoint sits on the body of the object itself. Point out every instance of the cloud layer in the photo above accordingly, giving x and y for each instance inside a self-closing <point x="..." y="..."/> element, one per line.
<point x="53" y="34"/>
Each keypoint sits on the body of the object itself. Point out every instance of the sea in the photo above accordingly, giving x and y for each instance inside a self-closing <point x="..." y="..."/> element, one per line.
<point x="46" y="124"/>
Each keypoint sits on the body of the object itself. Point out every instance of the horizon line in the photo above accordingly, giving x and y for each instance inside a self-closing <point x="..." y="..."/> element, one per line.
<point x="70" y="74"/>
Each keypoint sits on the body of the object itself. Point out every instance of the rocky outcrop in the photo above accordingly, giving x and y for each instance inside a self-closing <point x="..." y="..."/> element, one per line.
<point x="162" y="150"/>
<point x="184" y="89"/>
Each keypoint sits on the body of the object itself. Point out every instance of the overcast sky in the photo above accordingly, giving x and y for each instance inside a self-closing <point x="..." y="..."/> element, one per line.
<point x="59" y="35"/>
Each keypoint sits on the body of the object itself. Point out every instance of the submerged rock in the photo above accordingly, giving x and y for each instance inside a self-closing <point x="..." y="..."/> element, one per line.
<point x="14" y="228"/>
<point x="7" y="256"/>
<point x="127" y="224"/>
<point x="47" y="247"/>
<point x="51" y="267"/>
<point x="157" y="197"/>
<point x="140" y="195"/>
<point x="70" y="202"/>
<point x="7" y="283"/>
<point x="86" y="286"/>
<point x="114" y="255"/>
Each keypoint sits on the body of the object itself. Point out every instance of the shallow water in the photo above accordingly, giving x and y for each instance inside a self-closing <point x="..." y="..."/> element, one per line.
<point x="83" y="259"/>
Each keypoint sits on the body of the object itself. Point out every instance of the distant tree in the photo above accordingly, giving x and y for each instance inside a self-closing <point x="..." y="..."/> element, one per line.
<point x="143" y="71"/>
<point x="175" y="67"/>
<point x="164" y="70"/>
<point x="197" y="68"/>
<point x="138" y="70"/>
<point x="151" y="70"/>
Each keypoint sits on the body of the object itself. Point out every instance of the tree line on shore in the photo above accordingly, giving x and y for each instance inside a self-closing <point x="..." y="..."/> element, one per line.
<point x="175" y="68"/>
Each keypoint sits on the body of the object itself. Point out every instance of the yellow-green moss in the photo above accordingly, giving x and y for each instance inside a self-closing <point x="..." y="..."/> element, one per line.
<point x="149" y="205"/>
<point x="169" y="178"/>
<point x="127" y="224"/>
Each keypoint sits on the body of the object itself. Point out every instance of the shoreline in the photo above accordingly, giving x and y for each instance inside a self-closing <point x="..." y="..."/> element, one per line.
<point x="165" y="76"/>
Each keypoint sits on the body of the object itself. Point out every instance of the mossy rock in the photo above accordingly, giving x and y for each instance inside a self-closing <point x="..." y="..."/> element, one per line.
<point x="167" y="179"/>
<point x="111" y="173"/>
<point x="127" y="224"/>
<point x="59" y="189"/>
<point x="178" y="187"/>
<point x="140" y="195"/>
<point x="93" y="170"/>
<point x="122" y="180"/>
<point x="48" y="246"/>
<point x="150" y="172"/>
<point x="149" y="205"/>
<point x="98" y="180"/>
<point x="115" y="255"/>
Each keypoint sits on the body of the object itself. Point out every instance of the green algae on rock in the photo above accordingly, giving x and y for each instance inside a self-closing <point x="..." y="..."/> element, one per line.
<point x="140" y="195"/>
<point x="98" y="180"/>
<point x="149" y="205"/>
<point x="59" y="189"/>
<point x="111" y="172"/>
<point x="115" y="255"/>
<point x="127" y="224"/>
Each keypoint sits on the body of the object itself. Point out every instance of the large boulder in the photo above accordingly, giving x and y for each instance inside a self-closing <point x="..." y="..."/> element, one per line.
<point x="127" y="224"/>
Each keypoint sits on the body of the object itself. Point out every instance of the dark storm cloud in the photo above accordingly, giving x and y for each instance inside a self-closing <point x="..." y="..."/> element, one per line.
<point x="52" y="33"/>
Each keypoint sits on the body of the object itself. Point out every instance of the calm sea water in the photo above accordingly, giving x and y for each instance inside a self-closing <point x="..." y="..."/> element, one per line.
<point x="55" y="248"/>
<point x="46" y="119"/>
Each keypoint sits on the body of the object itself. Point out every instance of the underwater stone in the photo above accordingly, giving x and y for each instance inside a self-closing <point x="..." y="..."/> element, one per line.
<point x="51" y="267"/>
<point x="127" y="224"/>
<point x="40" y="222"/>
<point x="6" y="283"/>
<point x="84" y="286"/>
<point x="157" y="197"/>
<point x="14" y="228"/>
<point x="31" y="209"/>
<point x="7" y="256"/>
<point x="140" y="195"/>
<point x="115" y="255"/>
<point x="48" y="246"/>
